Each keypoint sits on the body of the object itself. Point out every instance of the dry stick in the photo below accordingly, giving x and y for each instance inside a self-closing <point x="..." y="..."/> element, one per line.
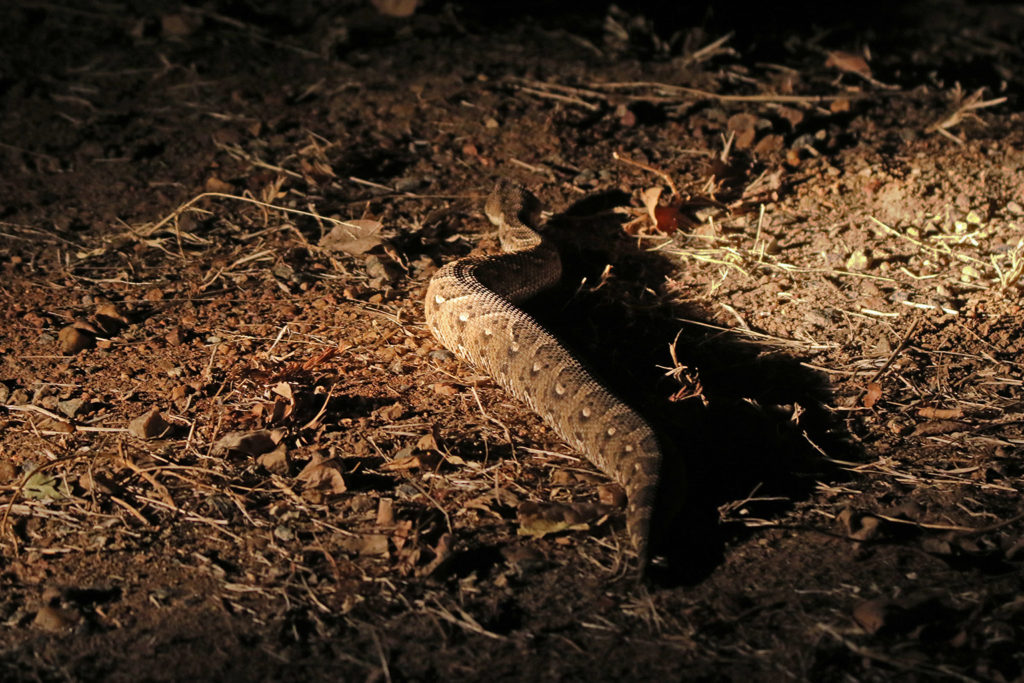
<point x="559" y="98"/>
<point x="178" y="211"/>
<point x="927" y="247"/>
<point x="892" y="357"/>
<point x="683" y="90"/>
<point x="892" y="661"/>
<point x="508" y="434"/>
<point x="664" y="176"/>
<point x="21" y="487"/>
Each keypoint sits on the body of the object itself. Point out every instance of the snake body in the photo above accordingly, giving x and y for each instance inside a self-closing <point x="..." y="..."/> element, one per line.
<point x="471" y="306"/>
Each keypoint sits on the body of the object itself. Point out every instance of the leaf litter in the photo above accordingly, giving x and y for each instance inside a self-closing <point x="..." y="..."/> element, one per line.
<point x="826" y="253"/>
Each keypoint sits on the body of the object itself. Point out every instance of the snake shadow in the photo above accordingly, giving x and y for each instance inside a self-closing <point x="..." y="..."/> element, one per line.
<point x="748" y="448"/>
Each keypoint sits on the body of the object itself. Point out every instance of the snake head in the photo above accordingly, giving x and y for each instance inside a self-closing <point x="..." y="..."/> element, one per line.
<point x="511" y="204"/>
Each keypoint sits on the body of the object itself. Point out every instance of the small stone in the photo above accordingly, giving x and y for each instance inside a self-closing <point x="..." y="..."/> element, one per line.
<point x="174" y="336"/>
<point x="611" y="494"/>
<point x="71" y="406"/>
<point x="72" y="340"/>
<point x="54" y="619"/>
<point x="149" y="425"/>
<point x="858" y="261"/>
<point x="872" y="615"/>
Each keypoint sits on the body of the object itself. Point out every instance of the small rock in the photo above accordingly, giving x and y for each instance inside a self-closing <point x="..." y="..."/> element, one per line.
<point x="384" y="268"/>
<point x="872" y="615"/>
<point x="149" y="425"/>
<point x="71" y="406"/>
<point x="110" y="319"/>
<point x="72" y="340"/>
<point x="54" y="619"/>
<point x="611" y="494"/>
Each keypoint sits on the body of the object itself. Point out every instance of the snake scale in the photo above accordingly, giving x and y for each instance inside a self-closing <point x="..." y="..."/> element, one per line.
<point x="471" y="306"/>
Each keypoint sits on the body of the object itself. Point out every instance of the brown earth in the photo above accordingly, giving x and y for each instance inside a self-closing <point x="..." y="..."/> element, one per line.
<point x="822" y="318"/>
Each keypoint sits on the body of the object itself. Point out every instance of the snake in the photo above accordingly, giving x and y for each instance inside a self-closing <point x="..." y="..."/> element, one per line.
<point x="472" y="306"/>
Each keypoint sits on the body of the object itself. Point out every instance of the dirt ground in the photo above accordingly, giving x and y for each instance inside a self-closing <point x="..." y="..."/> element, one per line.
<point x="230" y="449"/>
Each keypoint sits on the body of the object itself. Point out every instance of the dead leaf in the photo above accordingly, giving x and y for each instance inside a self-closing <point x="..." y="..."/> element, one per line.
<point x="542" y="519"/>
<point x="424" y="461"/>
<point x="353" y="237"/>
<point x="849" y="62"/>
<point x="400" y="534"/>
<point x="249" y="443"/>
<point x="667" y="218"/>
<point x="55" y="620"/>
<point x="934" y="427"/>
<point x="43" y="486"/>
<point x="444" y="389"/>
<point x="872" y="394"/>
<point x="215" y="184"/>
<point x="650" y="198"/>
<point x="284" y="390"/>
<point x="275" y="461"/>
<point x="396" y="8"/>
<point x="840" y="105"/>
<point x="371" y="544"/>
<point x="321" y="479"/>
<point x="941" y="413"/>
<point x="385" y="512"/>
<point x="872" y="615"/>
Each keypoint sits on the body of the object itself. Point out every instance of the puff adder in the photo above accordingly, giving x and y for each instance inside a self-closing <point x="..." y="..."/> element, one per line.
<point x="471" y="306"/>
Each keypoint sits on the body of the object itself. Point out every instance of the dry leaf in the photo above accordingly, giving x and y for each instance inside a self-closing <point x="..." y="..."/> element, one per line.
<point x="849" y="62"/>
<point x="284" y="390"/>
<point x="353" y="237"/>
<point x="215" y="184"/>
<point x="371" y="544"/>
<point x="249" y="443"/>
<point x="934" y="427"/>
<point x="396" y="8"/>
<point x="275" y="461"/>
<point x="542" y="519"/>
<point x="650" y="198"/>
<point x="425" y="461"/>
<point x="44" y="486"/>
<point x="320" y="479"/>
<point x="872" y="394"/>
<point x="872" y="615"/>
<point x="385" y="512"/>
<point x="941" y="413"/>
